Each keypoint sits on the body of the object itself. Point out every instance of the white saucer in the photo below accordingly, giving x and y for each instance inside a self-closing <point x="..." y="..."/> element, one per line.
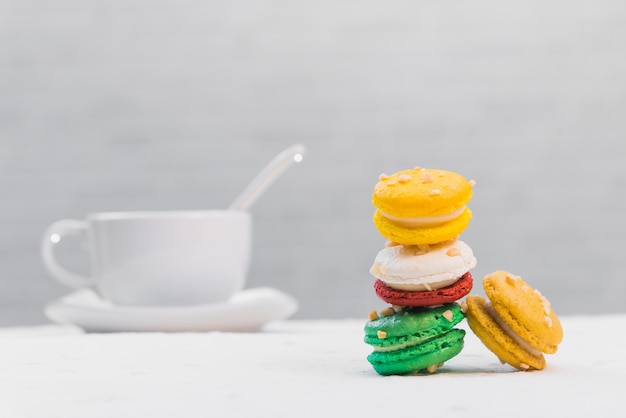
<point x="247" y="311"/>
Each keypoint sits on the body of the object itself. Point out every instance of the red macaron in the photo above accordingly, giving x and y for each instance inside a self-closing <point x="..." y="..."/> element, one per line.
<point x="447" y="294"/>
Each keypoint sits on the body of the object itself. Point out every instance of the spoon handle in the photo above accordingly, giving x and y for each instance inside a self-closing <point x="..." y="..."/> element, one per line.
<point x="267" y="176"/>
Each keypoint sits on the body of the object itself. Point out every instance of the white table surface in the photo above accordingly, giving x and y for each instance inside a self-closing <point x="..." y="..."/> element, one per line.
<point x="297" y="368"/>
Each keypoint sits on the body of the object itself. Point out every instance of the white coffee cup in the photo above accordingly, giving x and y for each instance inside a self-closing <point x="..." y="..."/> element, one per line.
<point x="169" y="258"/>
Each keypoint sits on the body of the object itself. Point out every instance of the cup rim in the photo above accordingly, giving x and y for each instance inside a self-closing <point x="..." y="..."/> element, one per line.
<point x="166" y="214"/>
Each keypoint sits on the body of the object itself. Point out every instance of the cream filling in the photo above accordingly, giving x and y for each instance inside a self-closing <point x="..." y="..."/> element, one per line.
<point x="509" y="331"/>
<point x="396" y="347"/>
<point x="424" y="220"/>
<point x="418" y="287"/>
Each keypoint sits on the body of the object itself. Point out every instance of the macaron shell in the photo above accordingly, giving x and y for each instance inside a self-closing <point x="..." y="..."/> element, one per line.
<point x="418" y="357"/>
<point x="497" y="340"/>
<point x="525" y="310"/>
<point x="412" y="326"/>
<point x="421" y="192"/>
<point x="446" y="294"/>
<point x="424" y="267"/>
<point x="422" y="235"/>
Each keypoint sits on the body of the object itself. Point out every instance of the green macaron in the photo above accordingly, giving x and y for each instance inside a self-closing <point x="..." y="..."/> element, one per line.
<point x="414" y="339"/>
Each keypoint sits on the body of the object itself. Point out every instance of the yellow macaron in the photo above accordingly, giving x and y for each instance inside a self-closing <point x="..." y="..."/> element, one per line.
<point x="517" y="323"/>
<point x="422" y="206"/>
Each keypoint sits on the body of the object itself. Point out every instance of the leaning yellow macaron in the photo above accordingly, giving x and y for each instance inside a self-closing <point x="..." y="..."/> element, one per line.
<point x="517" y="323"/>
<point x="422" y="206"/>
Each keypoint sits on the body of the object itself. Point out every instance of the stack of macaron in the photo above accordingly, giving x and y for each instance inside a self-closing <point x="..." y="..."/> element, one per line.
<point x="422" y="271"/>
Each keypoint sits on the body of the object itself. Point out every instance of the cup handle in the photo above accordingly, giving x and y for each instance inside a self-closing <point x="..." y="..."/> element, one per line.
<point x="54" y="233"/>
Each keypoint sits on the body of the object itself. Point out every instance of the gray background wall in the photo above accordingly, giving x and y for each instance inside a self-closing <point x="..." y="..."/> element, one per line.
<point x="130" y="104"/>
